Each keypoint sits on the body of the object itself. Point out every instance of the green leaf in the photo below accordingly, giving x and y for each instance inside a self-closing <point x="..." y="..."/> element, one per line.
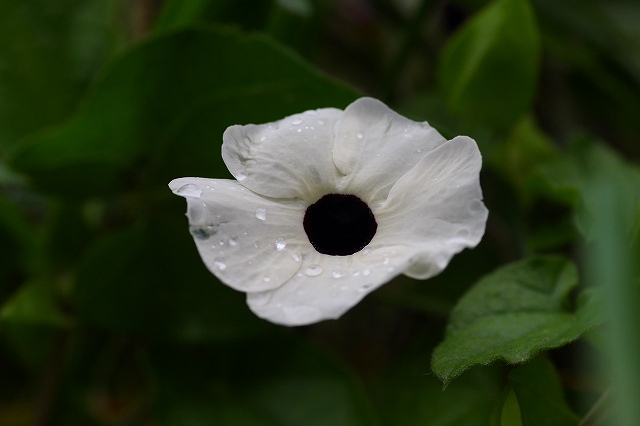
<point x="514" y="313"/>
<point x="34" y="303"/>
<point x="540" y="394"/>
<point x="149" y="280"/>
<point x="570" y="178"/>
<point x="192" y="81"/>
<point x="49" y="51"/>
<point x="272" y="381"/>
<point x="488" y="69"/>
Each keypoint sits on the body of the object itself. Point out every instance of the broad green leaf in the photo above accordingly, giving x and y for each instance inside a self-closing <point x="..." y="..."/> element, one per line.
<point x="271" y="381"/>
<point x="34" y="303"/>
<point x="514" y="313"/>
<point x="201" y="80"/>
<point x="150" y="281"/>
<point x="570" y="178"/>
<point x="49" y="51"/>
<point x="540" y="394"/>
<point x="488" y="69"/>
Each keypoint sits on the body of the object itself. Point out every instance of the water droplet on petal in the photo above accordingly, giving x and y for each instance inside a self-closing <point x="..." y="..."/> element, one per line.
<point x="385" y="261"/>
<point x="220" y="264"/>
<point x="241" y="175"/>
<point x="366" y="272"/>
<point x="233" y="240"/>
<point x="359" y="136"/>
<point x="313" y="270"/>
<point x="189" y="190"/>
<point x="262" y="139"/>
<point x="338" y="272"/>
<point x="296" y="122"/>
<point x="367" y="250"/>
<point x="280" y="244"/>
<point x="364" y="288"/>
<point x="261" y="213"/>
<point x="295" y="257"/>
<point x="355" y="273"/>
<point x="266" y="279"/>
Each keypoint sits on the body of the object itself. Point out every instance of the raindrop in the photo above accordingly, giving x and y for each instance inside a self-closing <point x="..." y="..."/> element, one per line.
<point x="221" y="242"/>
<point x="241" y="175"/>
<point x="233" y="240"/>
<point x="338" y="273"/>
<point x="367" y="250"/>
<point x="359" y="136"/>
<point x="204" y="232"/>
<point x="364" y="288"/>
<point x="256" y="244"/>
<point x="280" y="244"/>
<point x="355" y="273"/>
<point x="299" y="130"/>
<point x="262" y="139"/>
<point x="313" y="270"/>
<point x="296" y="122"/>
<point x="189" y="190"/>
<point x="266" y="279"/>
<point x="295" y="257"/>
<point x="366" y="272"/>
<point x="385" y="261"/>
<point x="261" y="213"/>
<point x="219" y="264"/>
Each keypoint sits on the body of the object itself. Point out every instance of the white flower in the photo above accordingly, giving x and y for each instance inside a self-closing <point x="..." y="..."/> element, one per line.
<point x="329" y="205"/>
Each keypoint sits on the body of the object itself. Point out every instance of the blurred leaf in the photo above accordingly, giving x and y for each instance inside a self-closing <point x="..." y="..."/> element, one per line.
<point x="510" y="414"/>
<point x="540" y="394"/>
<point x="35" y="303"/>
<point x="489" y="68"/>
<point x="570" y="178"/>
<point x="263" y="382"/>
<point x="49" y="51"/>
<point x="181" y="13"/>
<point x="16" y="240"/>
<point x="149" y="281"/>
<point x="206" y="79"/>
<point x="514" y="313"/>
<point x="409" y="395"/>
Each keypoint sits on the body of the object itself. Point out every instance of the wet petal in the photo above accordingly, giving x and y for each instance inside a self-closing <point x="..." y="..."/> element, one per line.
<point x="326" y="287"/>
<point x="249" y="242"/>
<point x="375" y="146"/>
<point x="436" y="208"/>
<point x="290" y="158"/>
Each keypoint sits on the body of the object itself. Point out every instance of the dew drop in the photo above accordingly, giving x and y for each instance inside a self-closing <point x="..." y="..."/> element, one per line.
<point x="295" y="257"/>
<point x="256" y="244"/>
<point x="385" y="261"/>
<point x="299" y="130"/>
<point x="355" y="273"/>
<point x="189" y="190"/>
<point x="366" y="272"/>
<point x="364" y="288"/>
<point x="241" y="175"/>
<point x="221" y="242"/>
<point x="359" y="136"/>
<point x="296" y="122"/>
<point x="367" y="250"/>
<point x="261" y="213"/>
<point x="280" y="244"/>
<point x="233" y="240"/>
<point x="266" y="279"/>
<point x="313" y="270"/>
<point x="338" y="273"/>
<point x="220" y="264"/>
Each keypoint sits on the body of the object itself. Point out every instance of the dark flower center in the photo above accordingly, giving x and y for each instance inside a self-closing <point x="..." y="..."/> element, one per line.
<point x="339" y="224"/>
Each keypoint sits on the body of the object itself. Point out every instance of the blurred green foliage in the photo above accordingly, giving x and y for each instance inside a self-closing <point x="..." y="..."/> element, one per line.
<point x="108" y="316"/>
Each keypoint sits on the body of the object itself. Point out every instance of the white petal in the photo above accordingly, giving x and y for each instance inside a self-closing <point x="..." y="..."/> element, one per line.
<point x="436" y="207"/>
<point x="326" y="287"/>
<point x="375" y="146"/>
<point x="249" y="242"/>
<point x="290" y="158"/>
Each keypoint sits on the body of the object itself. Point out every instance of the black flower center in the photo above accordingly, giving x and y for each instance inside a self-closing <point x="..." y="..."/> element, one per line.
<point x="339" y="224"/>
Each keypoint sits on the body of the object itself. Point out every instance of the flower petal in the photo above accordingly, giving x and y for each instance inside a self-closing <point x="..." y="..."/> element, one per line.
<point x="290" y="158"/>
<point x="326" y="287"/>
<point x="375" y="146"/>
<point x="249" y="242"/>
<point x="436" y="207"/>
